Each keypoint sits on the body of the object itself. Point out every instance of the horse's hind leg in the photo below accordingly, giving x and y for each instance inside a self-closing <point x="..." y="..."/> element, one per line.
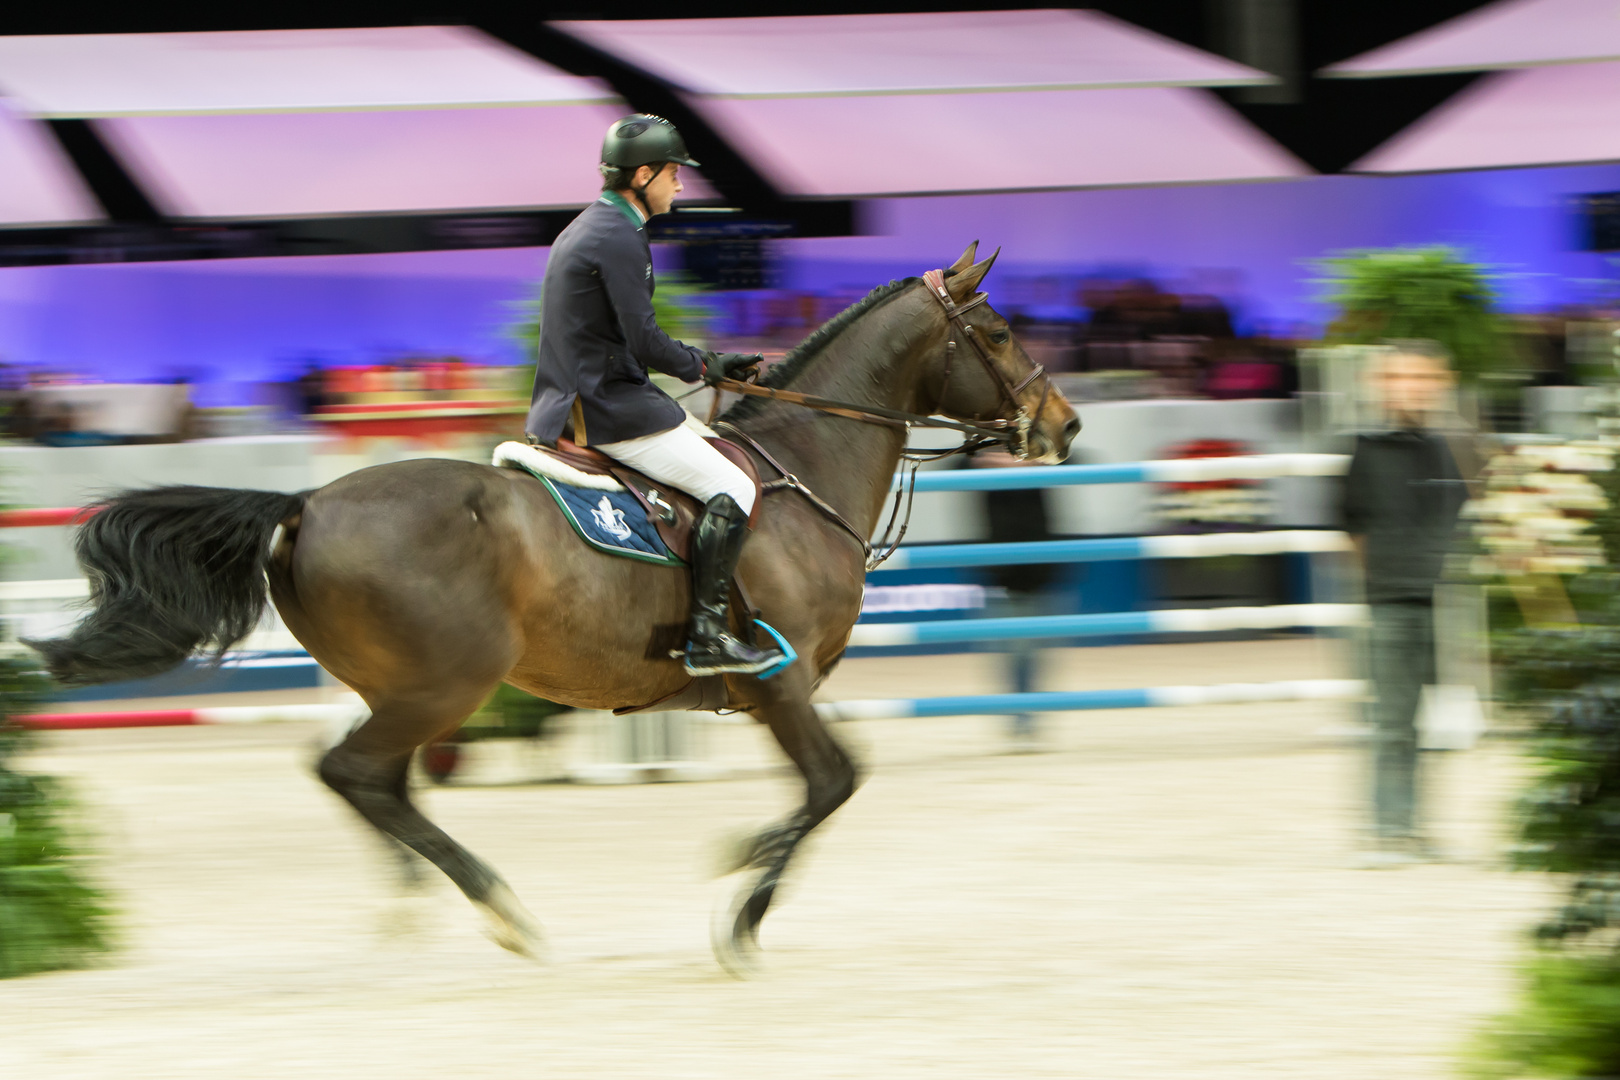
<point x="369" y="770"/>
<point x="829" y="780"/>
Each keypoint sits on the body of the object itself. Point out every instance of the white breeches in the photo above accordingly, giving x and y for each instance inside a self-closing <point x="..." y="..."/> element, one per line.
<point x="679" y="457"/>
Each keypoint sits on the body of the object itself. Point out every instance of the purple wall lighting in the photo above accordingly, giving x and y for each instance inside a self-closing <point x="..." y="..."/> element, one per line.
<point x="1252" y="242"/>
<point x="227" y="323"/>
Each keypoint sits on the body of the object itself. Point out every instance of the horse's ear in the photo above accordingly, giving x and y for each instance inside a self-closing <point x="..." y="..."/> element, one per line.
<point x="964" y="262"/>
<point x="966" y="283"/>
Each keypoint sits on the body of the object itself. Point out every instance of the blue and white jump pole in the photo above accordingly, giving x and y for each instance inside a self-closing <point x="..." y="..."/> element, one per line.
<point x="1175" y="471"/>
<point x="1110" y="624"/>
<point x="1198" y="545"/>
<point x="1188" y="470"/>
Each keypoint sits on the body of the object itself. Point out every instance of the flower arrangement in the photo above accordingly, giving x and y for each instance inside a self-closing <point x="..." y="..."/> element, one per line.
<point x="1536" y="514"/>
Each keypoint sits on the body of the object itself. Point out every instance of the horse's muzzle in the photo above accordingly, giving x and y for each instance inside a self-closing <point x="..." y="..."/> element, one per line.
<point x="1049" y="449"/>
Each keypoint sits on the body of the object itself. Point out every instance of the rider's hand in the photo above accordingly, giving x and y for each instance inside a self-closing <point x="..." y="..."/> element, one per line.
<point x="728" y="365"/>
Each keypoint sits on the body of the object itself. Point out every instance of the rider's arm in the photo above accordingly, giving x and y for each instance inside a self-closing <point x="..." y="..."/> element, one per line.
<point x="623" y="269"/>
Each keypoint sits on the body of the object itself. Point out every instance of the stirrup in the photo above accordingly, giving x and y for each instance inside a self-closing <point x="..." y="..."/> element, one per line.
<point x="773" y="662"/>
<point x="737" y="667"/>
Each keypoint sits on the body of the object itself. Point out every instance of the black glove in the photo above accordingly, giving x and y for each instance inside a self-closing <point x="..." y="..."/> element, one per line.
<point x="728" y="365"/>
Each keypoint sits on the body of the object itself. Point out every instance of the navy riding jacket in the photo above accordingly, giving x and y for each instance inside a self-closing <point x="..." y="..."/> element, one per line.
<point x="598" y="336"/>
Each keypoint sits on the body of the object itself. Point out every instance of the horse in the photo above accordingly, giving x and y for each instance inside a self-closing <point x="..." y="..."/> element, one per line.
<point x="424" y="584"/>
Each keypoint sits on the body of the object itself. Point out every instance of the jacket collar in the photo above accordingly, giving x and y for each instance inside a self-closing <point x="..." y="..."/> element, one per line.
<point x="622" y="205"/>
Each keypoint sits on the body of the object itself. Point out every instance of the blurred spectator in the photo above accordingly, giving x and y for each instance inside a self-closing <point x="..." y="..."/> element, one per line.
<point x="311" y="389"/>
<point x="1543" y="349"/>
<point x="1205" y="316"/>
<point x="1135" y="311"/>
<point x="1185" y="342"/>
<point x="1401" y="500"/>
<point x="18" y="420"/>
<point x="1251" y="368"/>
<point x="1020" y="591"/>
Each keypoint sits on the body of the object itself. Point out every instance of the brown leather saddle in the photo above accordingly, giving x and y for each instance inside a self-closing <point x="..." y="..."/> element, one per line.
<point x="672" y="511"/>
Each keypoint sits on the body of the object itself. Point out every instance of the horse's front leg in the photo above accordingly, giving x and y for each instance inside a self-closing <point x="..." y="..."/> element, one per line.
<point x="830" y="779"/>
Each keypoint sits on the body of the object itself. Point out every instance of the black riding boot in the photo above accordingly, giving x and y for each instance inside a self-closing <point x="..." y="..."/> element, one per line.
<point x="717" y="541"/>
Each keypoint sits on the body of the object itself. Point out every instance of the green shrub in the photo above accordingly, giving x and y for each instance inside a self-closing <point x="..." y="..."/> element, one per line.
<point x="510" y="713"/>
<point x="677" y="304"/>
<point x="1567" y="1020"/>
<point x="1416" y="292"/>
<point x="51" y="917"/>
<point x="1567" y="1024"/>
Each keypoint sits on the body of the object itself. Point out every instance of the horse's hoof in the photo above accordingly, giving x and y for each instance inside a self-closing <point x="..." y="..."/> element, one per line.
<point x="518" y="939"/>
<point x="510" y="925"/>
<point x="735" y="942"/>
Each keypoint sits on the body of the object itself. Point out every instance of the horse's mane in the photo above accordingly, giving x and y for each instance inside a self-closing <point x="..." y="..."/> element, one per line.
<point x="787" y="369"/>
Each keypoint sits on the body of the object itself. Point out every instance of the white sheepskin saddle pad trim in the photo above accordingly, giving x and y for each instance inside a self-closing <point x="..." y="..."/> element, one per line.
<point x="535" y="459"/>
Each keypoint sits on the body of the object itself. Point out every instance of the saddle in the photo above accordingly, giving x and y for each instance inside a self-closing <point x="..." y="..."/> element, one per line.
<point x="672" y="511"/>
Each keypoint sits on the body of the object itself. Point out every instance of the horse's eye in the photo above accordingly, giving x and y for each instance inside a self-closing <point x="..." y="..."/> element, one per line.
<point x="1000" y="337"/>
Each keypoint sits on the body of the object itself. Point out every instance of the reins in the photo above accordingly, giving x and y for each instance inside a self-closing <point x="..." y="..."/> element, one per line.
<point x="788" y="481"/>
<point x="1014" y="432"/>
<point x="995" y="430"/>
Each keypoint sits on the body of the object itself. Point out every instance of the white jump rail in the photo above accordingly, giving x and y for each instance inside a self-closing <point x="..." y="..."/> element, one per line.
<point x="1190" y="546"/>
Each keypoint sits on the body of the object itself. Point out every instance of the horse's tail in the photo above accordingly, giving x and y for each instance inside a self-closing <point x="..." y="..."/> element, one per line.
<point x="173" y="570"/>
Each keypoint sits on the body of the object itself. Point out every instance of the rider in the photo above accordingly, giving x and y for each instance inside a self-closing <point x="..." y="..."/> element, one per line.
<point x="598" y="337"/>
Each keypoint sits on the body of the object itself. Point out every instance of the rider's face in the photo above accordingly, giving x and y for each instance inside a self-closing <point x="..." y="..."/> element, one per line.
<point x="661" y="191"/>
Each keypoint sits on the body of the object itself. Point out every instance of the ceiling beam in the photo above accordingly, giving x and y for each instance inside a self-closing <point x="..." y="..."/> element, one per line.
<point x="726" y="170"/>
<point x="119" y="194"/>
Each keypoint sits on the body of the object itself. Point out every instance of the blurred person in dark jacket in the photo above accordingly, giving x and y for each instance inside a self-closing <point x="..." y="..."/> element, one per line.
<point x="310" y="389"/>
<point x="1401" y="500"/>
<point x="1021" y="591"/>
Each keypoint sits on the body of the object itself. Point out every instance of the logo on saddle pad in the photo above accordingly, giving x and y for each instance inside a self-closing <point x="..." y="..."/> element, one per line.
<point x="610" y="519"/>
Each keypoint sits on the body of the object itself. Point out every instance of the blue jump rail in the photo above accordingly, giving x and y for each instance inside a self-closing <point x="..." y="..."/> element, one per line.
<point x="1109" y="624"/>
<point x="1199" y="545"/>
<point x="1180" y="470"/>
<point x="1073" y="701"/>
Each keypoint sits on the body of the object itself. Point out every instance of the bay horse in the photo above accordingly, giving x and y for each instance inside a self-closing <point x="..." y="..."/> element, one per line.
<point x="423" y="584"/>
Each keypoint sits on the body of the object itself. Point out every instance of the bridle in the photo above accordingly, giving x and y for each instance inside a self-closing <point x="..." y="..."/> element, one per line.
<point x="1023" y="420"/>
<point x="1014" y="432"/>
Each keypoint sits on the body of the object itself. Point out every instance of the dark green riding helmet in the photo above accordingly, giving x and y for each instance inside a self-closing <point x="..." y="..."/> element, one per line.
<point x="644" y="140"/>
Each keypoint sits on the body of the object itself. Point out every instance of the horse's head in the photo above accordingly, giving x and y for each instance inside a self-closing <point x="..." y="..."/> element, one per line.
<point x="982" y="373"/>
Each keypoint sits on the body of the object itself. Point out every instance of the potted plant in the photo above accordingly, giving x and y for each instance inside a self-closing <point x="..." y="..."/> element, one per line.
<point x="1417" y="292"/>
